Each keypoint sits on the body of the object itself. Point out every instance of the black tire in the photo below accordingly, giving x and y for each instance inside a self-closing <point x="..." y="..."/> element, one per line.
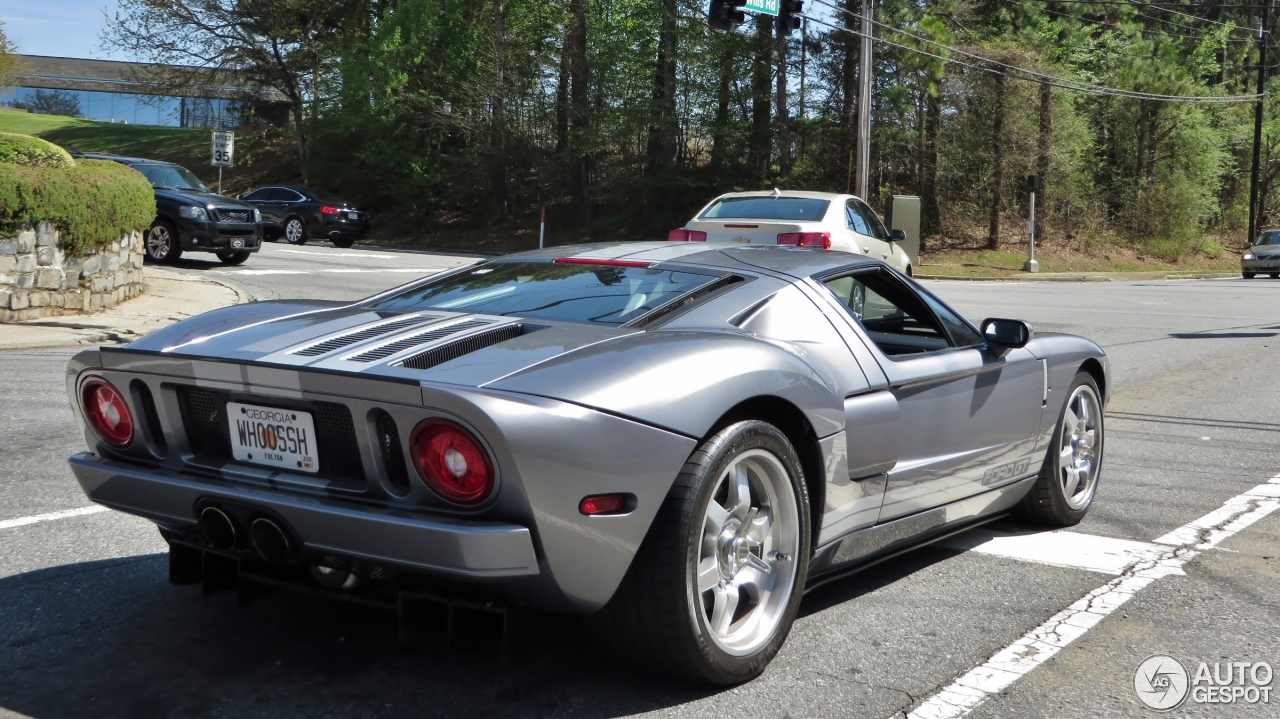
<point x="343" y="243"/>
<point x="1047" y="502"/>
<point x="1248" y="275"/>
<point x="298" y="228"/>
<point x="162" y="243"/>
<point x="234" y="258"/>
<point x="659" y="613"/>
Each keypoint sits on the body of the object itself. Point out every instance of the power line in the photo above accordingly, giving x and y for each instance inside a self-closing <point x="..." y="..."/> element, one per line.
<point x="1059" y="13"/>
<point x="1031" y="75"/>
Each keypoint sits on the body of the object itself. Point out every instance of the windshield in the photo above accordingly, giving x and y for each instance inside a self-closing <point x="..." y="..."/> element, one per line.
<point x="1269" y="238"/>
<point x="170" y="177"/>
<point x="597" y="294"/>
<point x="767" y="208"/>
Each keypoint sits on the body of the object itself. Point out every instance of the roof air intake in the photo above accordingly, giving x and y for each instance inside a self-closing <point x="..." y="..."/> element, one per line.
<point x="384" y="351"/>
<point x="466" y="345"/>
<point x="346" y="340"/>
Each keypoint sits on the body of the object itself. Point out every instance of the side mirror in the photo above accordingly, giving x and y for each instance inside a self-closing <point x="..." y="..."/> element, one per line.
<point x="1007" y="333"/>
<point x="897" y="236"/>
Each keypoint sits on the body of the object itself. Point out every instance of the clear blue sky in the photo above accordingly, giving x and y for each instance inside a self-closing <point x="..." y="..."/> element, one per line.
<point x="65" y="28"/>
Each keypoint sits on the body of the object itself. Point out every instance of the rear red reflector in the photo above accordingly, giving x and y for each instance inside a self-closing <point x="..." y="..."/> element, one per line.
<point x="806" y="239"/>
<point x="107" y="412"/>
<point x="451" y="462"/>
<point x="599" y="504"/>
<point x="682" y="235"/>
<point x="590" y="261"/>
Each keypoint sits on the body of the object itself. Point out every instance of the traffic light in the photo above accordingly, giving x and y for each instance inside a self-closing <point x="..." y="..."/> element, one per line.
<point x="789" y="14"/>
<point x="724" y="14"/>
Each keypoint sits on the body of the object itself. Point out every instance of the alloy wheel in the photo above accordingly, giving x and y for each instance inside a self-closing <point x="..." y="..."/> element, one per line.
<point x="159" y="242"/>
<point x="1080" y="447"/>
<point x="293" y="231"/>
<point x="746" y="567"/>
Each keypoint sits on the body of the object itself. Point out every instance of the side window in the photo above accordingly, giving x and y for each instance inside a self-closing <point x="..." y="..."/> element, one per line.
<point x="962" y="334"/>
<point x="893" y="316"/>
<point x="873" y="222"/>
<point x="258" y="195"/>
<point x="856" y="222"/>
<point x="288" y="196"/>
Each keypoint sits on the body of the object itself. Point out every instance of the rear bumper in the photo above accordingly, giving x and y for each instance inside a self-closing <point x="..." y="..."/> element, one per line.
<point x="443" y="546"/>
<point x="346" y="229"/>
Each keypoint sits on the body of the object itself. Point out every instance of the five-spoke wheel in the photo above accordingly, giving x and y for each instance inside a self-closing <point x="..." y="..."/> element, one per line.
<point x="713" y="592"/>
<point x="1068" y="480"/>
<point x="746" y="561"/>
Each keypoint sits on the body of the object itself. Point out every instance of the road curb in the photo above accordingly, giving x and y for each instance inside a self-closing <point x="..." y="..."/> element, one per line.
<point x="173" y="297"/>
<point x="1028" y="278"/>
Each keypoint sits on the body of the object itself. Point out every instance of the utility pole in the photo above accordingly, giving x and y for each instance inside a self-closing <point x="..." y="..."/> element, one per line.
<point x="863" y="182"/>
<point x="1261" y="34"/>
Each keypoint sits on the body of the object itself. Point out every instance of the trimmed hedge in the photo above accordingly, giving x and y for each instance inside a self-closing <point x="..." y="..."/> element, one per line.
<point x="92" y="202"/>
<point x="32" y="151"/>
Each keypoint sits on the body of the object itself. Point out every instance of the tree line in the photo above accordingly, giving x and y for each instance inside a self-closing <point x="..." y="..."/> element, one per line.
<point x="621" y="117"/>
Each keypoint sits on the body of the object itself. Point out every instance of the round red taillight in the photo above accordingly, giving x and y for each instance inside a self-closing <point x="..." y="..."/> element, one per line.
<point x="107" y="413"/>
<point x="451" y="462"/>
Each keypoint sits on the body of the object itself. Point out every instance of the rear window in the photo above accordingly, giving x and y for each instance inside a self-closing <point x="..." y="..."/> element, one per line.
<point x="595" y="294"/>
<point x="767" y="208"/>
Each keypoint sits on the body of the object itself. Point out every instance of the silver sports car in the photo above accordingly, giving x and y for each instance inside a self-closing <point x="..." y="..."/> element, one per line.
<point x="679" y="438"/>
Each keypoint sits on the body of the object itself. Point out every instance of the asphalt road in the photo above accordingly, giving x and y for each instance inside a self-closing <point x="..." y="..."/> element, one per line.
<point x="90" y="626"/>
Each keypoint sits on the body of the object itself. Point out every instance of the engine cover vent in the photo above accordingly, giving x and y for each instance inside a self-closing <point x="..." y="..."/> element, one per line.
<point x="384" y="351"/>
<point x="464" y="346"/>
<point x="346" y="340"/>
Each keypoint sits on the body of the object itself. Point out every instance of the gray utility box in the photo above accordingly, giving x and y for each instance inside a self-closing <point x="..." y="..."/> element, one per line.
<point x="904" y="214"/>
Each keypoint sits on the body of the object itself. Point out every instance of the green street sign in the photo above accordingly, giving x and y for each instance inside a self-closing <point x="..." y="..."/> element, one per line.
<point x="764" y="7"/>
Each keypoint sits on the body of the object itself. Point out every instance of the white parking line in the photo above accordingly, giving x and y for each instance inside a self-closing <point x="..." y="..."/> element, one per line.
<point x="1089" y="552"/>
<point x="372" y="254"/>
<point x="1040" y="644"/>
<point x="23" y="521"/>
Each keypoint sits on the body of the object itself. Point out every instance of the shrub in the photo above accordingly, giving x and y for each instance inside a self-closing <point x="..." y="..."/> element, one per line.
<point x="32" y="151"/>
<point x="92" y="202"/>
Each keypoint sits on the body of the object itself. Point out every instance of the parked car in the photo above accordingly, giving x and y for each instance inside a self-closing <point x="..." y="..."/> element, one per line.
<point x="1262" y="255"/>
<point x="682" y="436"/>
<point x="190" y="218"/>
<point x="298" y="214"/>
<point x="807" y="219"/>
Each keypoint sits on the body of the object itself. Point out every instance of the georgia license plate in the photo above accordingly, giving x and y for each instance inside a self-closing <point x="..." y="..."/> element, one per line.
<point x="353" y="215"/>
<point x="273" y="437"/>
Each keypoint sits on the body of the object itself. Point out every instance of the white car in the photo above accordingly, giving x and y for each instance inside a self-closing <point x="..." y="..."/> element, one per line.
<point x="806" y="219"/>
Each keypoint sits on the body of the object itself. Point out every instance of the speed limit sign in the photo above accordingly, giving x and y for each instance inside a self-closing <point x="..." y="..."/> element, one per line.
<point x="224" y="148"/>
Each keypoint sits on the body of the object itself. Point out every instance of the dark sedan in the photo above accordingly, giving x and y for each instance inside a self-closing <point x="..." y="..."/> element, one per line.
<point x="190" y="218"/>
<point x="298" y="214"/>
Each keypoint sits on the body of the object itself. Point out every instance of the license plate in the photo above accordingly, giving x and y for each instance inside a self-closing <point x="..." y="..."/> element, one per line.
<point x="237" y="243"/>
<point x="353" y="215"/>
<point x="273" y="437"/>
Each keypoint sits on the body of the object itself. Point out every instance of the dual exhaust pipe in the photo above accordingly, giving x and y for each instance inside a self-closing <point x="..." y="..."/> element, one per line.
<point x="266" y="536"/>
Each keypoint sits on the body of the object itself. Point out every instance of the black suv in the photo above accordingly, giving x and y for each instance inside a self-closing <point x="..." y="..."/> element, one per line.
<point x="190" y="218"/>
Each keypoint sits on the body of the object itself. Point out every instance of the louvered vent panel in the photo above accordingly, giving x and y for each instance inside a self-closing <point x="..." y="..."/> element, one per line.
<point x="400" y="345"/>
<point x="368" y="333"/>
<point x="464" y="346"/>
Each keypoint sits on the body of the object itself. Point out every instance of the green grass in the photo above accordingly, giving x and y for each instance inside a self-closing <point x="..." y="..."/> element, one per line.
<point x="183" y="145"/>
<point x="259" y="159"/>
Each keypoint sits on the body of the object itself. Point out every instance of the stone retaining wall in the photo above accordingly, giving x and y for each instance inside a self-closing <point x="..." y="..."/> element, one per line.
<point x="37" y="280"/>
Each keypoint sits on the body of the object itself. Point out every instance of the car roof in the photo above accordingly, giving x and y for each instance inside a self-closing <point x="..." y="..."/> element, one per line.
<point x="788" y="193"/>
<point x="793" y="261"/>
<point x="124" y="159"/>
